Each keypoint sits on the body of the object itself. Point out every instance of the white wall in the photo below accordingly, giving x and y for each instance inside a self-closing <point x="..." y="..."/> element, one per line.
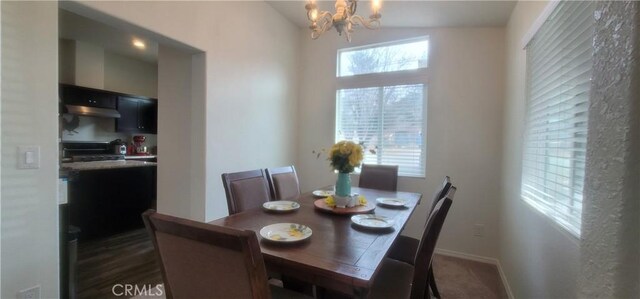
<point x="0" y="146"/>
<point x="251" y="73"/>
<point x="29" y="217"/>
<point x="610" y="239"/>
<point x="89" y="65"/>
<point x="539" y="259"/>
<point x="128" y="75"/>
<point x="67" y="61"/>
<point x="464" y="116"/>
<point x="175" y="178"/>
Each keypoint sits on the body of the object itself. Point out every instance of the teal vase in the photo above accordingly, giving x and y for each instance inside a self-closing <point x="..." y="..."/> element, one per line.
<point x="343" y="184"/>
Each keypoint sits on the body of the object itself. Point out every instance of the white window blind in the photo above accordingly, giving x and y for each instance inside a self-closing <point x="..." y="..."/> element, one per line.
<point x="388" y="119"/>
<point x="559" y="64"/>
<point x="384" y="112"/>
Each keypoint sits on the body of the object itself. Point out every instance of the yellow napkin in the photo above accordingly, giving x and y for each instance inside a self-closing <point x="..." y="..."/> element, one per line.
<point x="331" y="202"/>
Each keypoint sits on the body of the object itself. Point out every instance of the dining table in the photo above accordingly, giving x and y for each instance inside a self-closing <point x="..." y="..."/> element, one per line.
<point x="339" y="255"/>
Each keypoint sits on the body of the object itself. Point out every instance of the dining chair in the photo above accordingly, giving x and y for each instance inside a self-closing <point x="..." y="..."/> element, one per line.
<point x="199" y="260"/>
<point x="397" y="279"/>
<point x="405" y="248"/>
<point x="381" y="177"/>
<point x="283" y="182"/>
<point x="245" y="190"/>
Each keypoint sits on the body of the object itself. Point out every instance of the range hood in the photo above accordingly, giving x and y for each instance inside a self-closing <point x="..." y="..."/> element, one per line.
<point x="92" y="111"/>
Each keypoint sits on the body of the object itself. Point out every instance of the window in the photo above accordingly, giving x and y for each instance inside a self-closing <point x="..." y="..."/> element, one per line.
<point x="380" y="102"/>
<point x="559" y="72"/>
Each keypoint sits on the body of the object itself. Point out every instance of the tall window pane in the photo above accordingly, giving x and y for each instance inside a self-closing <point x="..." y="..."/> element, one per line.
<point x="388" y="120"/>
<point x="385" y="112"/>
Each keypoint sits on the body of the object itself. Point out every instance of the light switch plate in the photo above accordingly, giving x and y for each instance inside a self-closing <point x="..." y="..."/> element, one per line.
<point x="28" y="157"/>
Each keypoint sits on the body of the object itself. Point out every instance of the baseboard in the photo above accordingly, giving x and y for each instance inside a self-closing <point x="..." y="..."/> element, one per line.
<point x="505" y="282"/>
<point x="481" y="259"/>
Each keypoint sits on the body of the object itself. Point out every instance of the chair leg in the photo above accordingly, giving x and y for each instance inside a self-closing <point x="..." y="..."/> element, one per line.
<point x="432" y="283"/>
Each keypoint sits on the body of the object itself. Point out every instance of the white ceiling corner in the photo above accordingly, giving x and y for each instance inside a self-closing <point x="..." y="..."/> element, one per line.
<point x="415" y="13"/>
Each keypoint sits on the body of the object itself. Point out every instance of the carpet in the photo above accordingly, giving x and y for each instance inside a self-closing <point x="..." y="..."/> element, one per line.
<point x="460" y="278"/>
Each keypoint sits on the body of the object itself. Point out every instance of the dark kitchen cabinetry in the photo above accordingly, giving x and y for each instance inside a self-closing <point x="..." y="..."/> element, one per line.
<point x="109" y="201"/>
<point x="137" y="115"/>
<point x="84" y="96"/>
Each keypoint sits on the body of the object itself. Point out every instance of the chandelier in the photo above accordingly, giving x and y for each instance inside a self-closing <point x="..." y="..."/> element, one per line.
<point x="344" y="19"/>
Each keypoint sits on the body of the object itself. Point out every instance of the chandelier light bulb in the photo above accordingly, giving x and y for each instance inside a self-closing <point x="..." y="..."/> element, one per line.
<point x="375" y="6"/>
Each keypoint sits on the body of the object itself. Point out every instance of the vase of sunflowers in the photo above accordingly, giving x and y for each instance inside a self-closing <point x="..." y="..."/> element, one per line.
<point x="345" y="156"/>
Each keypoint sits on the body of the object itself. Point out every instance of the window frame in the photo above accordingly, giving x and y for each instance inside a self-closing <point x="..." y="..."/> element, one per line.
<point x="386" y="79"/>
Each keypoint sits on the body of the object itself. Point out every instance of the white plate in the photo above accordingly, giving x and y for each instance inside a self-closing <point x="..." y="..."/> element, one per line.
<point x="372" y="221"/>
<point x="281" y="205"/>
<point x="285" y="232"/>
<point x="395" y="202"/>
<point x="323" y="193"/>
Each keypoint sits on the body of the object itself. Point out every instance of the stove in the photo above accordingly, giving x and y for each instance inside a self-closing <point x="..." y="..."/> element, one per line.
<point x="82" y="151"/>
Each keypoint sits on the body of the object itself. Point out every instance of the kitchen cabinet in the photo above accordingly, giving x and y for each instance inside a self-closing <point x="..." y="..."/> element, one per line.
<point x="137" y="115"/>
<point x="105" y="202"/>
<point x="84" y="96"/>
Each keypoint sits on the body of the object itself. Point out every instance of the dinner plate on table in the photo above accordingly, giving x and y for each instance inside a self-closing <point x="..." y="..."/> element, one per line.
<point x="323" y="193"/>
<point x="281" y="206"/>
<point x="286" y="232"/>
<point x="391" y="202"/>
<point x="372" y="221"/>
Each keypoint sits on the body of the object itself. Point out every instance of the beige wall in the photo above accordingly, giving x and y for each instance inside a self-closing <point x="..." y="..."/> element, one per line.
<point x="251" y="81"/>
<point x="89" y="65"/>
<point x="128" y="75"/>
<point x="0" y="147"/>
<point x="29" y="219"/>
<point x="540" y="259"/>
<point x="179" y="178"/>
<point x="464" y="118"/>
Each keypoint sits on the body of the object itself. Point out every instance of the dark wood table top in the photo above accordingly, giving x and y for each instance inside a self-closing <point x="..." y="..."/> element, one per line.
<point x="339" y="255"/>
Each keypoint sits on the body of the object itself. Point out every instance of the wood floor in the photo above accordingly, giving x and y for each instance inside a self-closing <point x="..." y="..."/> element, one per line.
<point x="126" y="258"/>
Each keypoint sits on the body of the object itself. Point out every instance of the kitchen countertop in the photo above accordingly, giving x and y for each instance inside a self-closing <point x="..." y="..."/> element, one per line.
<point x="140" y="157"/>
<point x="105" y="165"/>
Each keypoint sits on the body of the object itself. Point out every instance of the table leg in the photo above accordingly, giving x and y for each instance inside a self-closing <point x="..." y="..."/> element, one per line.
<point x="360" y="293"/>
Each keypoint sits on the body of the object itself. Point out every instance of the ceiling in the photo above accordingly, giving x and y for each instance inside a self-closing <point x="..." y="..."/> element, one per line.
<point x="414" y="13"/>
<point x="76" y="27"/>
<point x="394" y="14"/>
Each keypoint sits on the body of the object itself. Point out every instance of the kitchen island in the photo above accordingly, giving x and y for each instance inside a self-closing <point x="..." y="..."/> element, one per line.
<point x="108" y="197"/>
